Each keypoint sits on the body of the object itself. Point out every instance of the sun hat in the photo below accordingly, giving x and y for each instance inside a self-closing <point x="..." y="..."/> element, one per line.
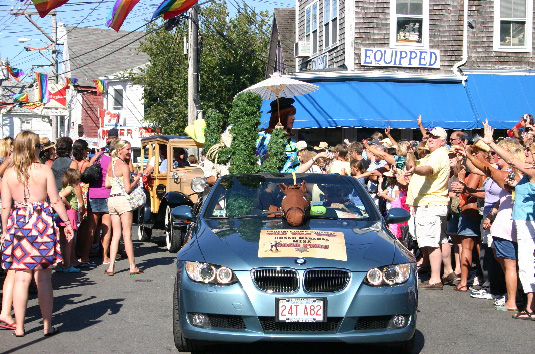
<point x="46" y="143"/>
<point x="301" y="145"/>
<point x="322" y="145"/>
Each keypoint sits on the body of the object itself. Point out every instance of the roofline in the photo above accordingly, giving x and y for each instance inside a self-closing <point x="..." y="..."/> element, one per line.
<point x="366" y="75"/>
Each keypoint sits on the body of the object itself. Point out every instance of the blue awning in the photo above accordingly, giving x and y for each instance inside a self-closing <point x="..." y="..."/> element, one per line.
<point x="503" y="99"/>
<point x="379" y="104"/>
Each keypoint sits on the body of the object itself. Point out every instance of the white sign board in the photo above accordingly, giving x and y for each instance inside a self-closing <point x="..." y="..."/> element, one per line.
<point x="408" y="58"/>
<point x="321" y="62"/>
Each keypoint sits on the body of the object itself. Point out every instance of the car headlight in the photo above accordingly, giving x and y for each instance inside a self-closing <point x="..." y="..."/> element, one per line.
<point x="210" y="273"/>
<point x="198" y="184"/>
<point x="389" y="275"/>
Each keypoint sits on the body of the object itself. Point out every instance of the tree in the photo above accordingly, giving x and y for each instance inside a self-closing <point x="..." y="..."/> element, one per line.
<point x="233" y="54"/>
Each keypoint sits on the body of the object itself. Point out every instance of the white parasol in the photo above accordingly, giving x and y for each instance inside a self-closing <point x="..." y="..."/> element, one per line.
<point x="281" y="86"/>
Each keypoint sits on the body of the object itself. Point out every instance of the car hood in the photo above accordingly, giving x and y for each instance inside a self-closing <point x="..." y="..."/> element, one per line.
<point x="235" y="243"/>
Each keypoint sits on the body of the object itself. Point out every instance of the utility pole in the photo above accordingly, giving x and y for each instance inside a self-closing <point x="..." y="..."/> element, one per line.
<point x="193" y="65"/>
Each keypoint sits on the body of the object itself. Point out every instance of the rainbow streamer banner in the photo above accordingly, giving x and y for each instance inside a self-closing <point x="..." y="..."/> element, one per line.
<point x="172" y="8"/>
<point x="42" y="88"/>
<point x="45" y="6"/>
<point x="69" y="81"/>
<point x="21" y="97"/>
<point x="101" y="85"/>
<point x="118" y="13"/>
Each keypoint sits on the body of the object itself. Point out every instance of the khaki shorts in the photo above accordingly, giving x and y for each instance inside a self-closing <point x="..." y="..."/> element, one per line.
<point x="118" y="205"/>
<point x="430" y="225"/>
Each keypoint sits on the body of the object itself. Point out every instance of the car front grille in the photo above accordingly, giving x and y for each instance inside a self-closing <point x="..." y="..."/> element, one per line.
<point x="326" y="280"/>
<point x="270" y="325"/>
<point x="276" y="280"/>
<point x="372" y="322"/>
<point x="226" y="321"/>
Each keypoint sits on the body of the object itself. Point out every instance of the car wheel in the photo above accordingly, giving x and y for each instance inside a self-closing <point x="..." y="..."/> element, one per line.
<point x="173" y="236"/>
<point x="182" y="343"/>
<point x="143" y="232"/>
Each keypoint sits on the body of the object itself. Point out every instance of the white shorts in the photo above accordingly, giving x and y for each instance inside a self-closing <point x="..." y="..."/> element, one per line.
<point x="430" y="225"/>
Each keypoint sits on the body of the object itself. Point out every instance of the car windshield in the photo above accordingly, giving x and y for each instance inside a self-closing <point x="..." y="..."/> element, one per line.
<point x="256" y="195"/>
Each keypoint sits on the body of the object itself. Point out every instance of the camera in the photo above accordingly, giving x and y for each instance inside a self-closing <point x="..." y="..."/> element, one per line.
<point x="414" y="144"/>
<point x="511" y="176"/>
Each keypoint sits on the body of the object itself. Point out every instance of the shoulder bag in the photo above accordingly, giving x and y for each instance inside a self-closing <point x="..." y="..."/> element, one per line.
<point x="93" y="173"/>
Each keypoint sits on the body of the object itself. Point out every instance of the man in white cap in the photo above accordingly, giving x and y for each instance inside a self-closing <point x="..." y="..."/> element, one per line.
<point x="428" y="195"/>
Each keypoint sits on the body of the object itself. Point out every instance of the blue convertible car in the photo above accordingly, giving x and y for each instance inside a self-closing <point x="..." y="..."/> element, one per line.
<point x="247" y="275"/>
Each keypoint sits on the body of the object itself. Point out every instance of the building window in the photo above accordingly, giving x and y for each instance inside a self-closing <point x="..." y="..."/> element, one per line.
<point x="311" y="26"/>
<point x="512" y="25"/>
<point x="117" y="99"/>
<point x="330" y="23"/>
<point x="409" y="22"/>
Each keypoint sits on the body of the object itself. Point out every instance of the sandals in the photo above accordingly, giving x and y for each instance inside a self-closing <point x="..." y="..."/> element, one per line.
<point x="53" y="332"/>
<point x="139" y="271"/>
<point x="111" y="274"/>
<point x="460" y="288"/>
<point x="5" y="325"/>
<point x="524" y="315"/>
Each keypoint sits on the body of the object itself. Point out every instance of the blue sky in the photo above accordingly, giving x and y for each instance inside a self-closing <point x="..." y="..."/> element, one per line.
<point x="83" y="13"/>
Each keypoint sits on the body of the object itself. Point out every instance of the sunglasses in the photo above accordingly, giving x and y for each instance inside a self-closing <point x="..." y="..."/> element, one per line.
<point x="493" y="153"/>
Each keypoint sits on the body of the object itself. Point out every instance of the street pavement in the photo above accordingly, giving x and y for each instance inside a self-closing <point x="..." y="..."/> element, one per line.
<point x="99" y="314"/>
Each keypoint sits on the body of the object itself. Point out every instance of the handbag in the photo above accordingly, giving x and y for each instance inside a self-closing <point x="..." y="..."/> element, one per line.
<point x="93" y="173"/>
<point x="136" y="197"/>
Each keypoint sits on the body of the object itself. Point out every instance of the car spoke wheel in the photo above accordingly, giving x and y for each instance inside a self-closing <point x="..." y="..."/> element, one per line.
<point x="143" y="232"/>
<point x="182" y="343"/>
<point x="173" y="236"/>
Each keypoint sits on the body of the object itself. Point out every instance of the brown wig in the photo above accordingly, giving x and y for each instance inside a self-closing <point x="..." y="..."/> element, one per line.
<point x="284" y="114"/>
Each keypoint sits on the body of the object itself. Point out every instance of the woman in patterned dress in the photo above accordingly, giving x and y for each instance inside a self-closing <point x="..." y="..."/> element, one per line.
<point x="28" y="230"/>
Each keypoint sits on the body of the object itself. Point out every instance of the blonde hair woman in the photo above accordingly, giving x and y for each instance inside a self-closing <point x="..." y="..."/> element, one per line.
<point x="118" y="179"/>
<point x="25" y="188"/>
<point x="5" y="148"/>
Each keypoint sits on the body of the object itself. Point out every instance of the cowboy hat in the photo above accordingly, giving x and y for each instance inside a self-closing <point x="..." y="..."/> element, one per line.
<point x="322" y="145"/>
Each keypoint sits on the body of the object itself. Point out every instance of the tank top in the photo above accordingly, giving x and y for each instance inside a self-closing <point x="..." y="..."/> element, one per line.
<point x="60" y="165"/>
<point x="117" y="184"/>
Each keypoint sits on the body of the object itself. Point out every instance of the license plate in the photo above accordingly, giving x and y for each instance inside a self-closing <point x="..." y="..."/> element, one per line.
<point x="301" y="309"/>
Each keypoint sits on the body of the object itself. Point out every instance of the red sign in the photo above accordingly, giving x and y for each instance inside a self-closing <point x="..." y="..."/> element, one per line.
<point x="108" y="119"/>
<point x="60" y="96"/>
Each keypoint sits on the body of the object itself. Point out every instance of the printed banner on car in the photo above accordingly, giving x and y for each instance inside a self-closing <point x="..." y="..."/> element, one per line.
<point x="302" y="243"/>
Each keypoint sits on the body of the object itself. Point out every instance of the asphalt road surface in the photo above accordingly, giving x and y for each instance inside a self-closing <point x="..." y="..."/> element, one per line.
<point x="99" y="314"/>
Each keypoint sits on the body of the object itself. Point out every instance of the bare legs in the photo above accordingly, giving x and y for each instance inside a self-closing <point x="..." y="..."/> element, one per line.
<point x="93" y="221"/>
<point x="446" y="258"/>
<point x="435" y="259"/>
<point x="7" y="297"/>
<point x="122" y="226"/>
<point x="457" y="250"/>
<point x="467" y="244"/>
<point x="511" y="279"/>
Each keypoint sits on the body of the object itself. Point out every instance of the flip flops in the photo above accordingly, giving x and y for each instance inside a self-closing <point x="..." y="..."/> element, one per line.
<point x="139" y="271"/>
<point x="6" y="325"/>
<point x="111" y="274"/>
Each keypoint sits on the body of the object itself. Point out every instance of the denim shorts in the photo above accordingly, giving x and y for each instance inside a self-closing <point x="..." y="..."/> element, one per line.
<point x="453" y="225"/>
<point x="505" y="248"/>
<point x="468" y="226"/>
<point x="98" y="205"/>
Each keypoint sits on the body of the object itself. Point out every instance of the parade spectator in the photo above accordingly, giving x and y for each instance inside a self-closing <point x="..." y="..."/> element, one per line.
<point x="71" y="196"/>
<point x="524" y="219"/>
<point x="118" y="179"/>
<point x="64" y="160"/>
<point x="80" y="153"/>
<point x="26" y="186"/>
<point x="48" y="152"/>
<point x="396" y="197"/>
<point x="356" y="149"/>
<point x="428" y="195"/>
<point x="457" y="172"/>
<point x="6" y="145"/>
<point x="308" y="161"/>
<point x="340" y="164"/>
<point x="376" y="162"/>
<point x="98" y="217"/>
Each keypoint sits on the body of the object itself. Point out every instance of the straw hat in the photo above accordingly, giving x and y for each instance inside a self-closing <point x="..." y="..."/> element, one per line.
<point x="480" y="144"/>
<point x="322" y="145"/>
<point x="301" y="145"/>
<point x="46" y="143"/>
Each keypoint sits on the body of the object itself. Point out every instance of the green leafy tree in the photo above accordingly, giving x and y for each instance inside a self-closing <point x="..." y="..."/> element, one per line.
<point x="276" y="156"/>
<point x="233" y="52"/>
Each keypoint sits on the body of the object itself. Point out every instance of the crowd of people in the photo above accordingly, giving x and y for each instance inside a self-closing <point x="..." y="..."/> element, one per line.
<point x="51" y="219"/>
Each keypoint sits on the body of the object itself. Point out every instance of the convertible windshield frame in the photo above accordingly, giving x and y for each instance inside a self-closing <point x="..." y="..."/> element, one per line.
<point x="250" y="195"/>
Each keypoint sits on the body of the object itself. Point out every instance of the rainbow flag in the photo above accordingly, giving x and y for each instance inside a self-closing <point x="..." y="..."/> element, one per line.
<point x="172" y="8"/>
<point x="118" y="13"/>
<point x="21" y="97"/>
<point x="42" y="88"/>
<point x="45" y="6"/>
<point x="101" y="85"/>
<point x="69" y="81"/>
<point x="16" y="73"/>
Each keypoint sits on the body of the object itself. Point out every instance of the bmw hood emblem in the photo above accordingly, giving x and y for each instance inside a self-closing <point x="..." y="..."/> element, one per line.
<point x="300" y="261"/>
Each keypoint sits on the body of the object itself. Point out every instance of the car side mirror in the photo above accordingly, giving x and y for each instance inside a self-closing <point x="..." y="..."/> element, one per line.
<point x="397" y="215"/>
<point x="183" y="212"/>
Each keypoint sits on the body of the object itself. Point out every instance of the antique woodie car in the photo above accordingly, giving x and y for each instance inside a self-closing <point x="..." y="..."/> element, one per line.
<point x="247" y="275"/>
<point x="168" y="183"/>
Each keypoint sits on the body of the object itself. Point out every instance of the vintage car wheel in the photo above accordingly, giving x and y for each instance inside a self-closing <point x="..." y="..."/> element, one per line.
<point x="173" y="236"/>
<point x="143" y="232"/>
<point x="182" y="343"/>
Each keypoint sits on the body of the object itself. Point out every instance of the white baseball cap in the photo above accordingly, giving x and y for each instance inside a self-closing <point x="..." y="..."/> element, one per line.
<point x="440" y="132"/>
